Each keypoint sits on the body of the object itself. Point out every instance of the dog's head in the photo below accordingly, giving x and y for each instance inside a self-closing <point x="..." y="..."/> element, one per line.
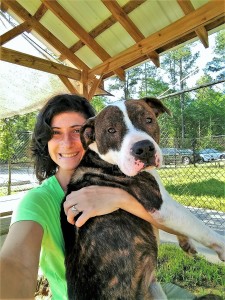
<point x="126" y="134"/>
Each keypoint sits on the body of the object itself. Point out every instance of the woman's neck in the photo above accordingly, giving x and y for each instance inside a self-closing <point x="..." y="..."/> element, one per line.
<point x="63" y="178"/>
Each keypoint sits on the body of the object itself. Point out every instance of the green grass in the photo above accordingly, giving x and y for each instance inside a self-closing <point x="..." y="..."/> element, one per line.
<point x="200" y="186"/>
<point x="194" y="274"/>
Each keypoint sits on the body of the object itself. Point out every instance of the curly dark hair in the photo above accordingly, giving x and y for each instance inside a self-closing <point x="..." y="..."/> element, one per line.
<point x="43" y="164"/>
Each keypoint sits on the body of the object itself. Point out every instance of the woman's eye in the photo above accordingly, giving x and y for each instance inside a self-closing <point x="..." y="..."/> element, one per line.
<point x="111" y="130"/>
<point x="54" y="132"/>
<point x="148" y="120"/>
<point x="77" y="131"/>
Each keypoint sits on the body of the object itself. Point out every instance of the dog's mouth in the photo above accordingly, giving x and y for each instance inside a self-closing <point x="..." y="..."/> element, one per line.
<point x="150" y="163"/>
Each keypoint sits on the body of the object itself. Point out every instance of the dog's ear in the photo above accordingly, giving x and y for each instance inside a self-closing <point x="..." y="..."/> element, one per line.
<point x="87" y="133"/>
<point x="157" y="106"/>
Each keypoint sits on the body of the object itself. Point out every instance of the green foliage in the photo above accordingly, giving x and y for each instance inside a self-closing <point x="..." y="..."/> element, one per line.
<point x="191" y="273"/>
<point x="10" y="129"/>
<point x="98" y="103"/>
<point x="218" y="62"/>
<point x="128" y="87"/>
<point x="151" y="83"/>
<point x="179" y="64"/>
<point x="206" y="112"/>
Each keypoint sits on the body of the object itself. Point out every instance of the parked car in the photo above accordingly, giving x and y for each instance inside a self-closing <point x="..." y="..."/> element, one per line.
<point x="177" y="156"/>
<point x="207" y="155"/>
<point x="222" y="155"/>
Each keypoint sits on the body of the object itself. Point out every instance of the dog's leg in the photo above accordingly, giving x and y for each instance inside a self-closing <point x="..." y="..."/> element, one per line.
<point x="179" y="219"/>
<point x="186" y="245"/>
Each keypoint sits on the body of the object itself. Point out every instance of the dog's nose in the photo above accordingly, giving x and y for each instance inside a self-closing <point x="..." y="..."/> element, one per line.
<point x="143" y="149"/>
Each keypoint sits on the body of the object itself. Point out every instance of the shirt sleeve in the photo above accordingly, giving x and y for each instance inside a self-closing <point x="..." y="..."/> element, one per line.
<point x="32" y="207"/>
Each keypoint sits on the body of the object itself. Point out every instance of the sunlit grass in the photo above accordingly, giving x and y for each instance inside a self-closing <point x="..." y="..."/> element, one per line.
<point x="194" y="274"/>
<point x="202" y="186"/>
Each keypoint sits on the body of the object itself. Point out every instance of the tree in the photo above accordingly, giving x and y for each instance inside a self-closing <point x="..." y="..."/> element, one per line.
<point x="10" y="140"/>
<point x="179" y="64"/>
<point x="151" y="81"/>
<point x="127" y="87"/>
<point x="207" y="111"/>
<point x="217" y="65"/>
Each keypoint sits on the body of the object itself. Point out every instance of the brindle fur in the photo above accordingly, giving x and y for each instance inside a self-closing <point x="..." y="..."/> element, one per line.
<point x="112" y="256"/>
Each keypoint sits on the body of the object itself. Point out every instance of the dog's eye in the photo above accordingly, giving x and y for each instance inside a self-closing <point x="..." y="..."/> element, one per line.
<point x="148" y="120"/>
<point x="111" y="130"/>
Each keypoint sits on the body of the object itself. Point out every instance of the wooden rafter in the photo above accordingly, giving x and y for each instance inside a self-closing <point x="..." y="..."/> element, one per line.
<point x="25" y="26"/>
<point x="119" y="14"/>
<point x="68" y="84"/>
<point x="37" y="63"/>
<point x="127" y="8"/>
<point x="46" y="34"/>
<point x="97" y="81"/>
<point x="201" y="32"/>
<point x="40" y="12"/>
<point x="14" y="32"/>
<point x="79" y="31"/>
<point x="84" y="84"/>
<point x="200" y="17"/>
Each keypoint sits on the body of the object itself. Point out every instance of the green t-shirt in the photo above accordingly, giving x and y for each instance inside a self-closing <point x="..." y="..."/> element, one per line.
<point x="42" y="205"/>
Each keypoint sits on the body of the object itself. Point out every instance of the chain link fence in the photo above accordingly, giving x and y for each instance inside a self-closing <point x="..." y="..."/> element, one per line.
<point x="16" y="172"/>
<point x="193" y="147"/>
<point x="194" y="162"/>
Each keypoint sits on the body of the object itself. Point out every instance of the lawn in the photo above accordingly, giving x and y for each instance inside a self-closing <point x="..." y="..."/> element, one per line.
<point x="201" y="186"/>
<point x="194" y="274"/>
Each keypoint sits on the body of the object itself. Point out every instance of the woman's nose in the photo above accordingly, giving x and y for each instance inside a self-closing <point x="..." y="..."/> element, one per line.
<point x="67" y="139"/>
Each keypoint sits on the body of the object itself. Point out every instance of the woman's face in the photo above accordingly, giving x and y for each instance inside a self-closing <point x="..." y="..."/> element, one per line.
<point x="65" y="147"/>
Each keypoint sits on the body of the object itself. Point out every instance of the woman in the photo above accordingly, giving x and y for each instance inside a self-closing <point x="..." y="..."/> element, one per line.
<point x="35" y="231"/>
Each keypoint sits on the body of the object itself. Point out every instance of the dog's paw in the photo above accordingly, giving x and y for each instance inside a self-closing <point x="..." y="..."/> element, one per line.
<point x="220" y="252"/>
<point x="187" y="245"/>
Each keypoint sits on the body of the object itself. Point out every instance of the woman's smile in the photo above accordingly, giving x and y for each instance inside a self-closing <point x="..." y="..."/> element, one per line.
<point x="68" y="155"/>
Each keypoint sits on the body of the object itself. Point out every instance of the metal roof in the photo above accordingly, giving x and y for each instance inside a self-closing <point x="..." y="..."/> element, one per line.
<point x="96" y="39"/>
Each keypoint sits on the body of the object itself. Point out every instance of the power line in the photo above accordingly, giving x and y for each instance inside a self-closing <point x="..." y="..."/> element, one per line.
<point x="192" y="89"/>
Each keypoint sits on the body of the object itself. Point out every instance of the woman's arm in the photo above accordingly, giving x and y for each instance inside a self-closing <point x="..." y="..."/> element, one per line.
<point x="100" y="200"/>
<point x="19" y="260"/>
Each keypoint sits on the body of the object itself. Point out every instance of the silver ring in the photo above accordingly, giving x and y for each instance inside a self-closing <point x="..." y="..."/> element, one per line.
<point x="74" y="209"/>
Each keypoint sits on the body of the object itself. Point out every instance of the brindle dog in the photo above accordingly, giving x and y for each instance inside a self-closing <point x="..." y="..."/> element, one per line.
<point x="114" y="256"/>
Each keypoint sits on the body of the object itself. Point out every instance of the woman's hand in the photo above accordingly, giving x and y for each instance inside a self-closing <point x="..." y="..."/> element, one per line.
<point x="100" y="200"/>
<point x="92" y="201"/>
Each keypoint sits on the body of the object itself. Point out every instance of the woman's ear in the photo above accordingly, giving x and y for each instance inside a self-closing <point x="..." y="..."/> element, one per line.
<point x="157" y="106"/>
<point x="87" y="133"/>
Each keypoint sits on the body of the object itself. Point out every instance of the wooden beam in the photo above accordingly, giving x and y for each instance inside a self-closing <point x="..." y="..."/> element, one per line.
<point x="4" y="7"/>
<point x="46" y="34"/>
<point x="76" y="28"/>
<point x="200" y="17"/>
<point x="84" y="84"/>
<point x="95" y="84"/>
<point x="40" y="12"/>
<point x="79" y="31"/>
<point x="129" y="7"/>
<point x="14" y="32"/>
<point x="37" y="63"/>
<point x="119" y="14"/>
<point x="201" y="32"/>
<point x="94" y="87"/>
<point x="69" y="85"/>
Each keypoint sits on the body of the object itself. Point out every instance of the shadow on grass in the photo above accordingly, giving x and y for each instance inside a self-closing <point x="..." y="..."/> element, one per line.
<point x="211" y="187"/>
